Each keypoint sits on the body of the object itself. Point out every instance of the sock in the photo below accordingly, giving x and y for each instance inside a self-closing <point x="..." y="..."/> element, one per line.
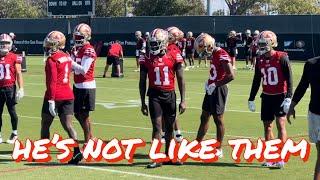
<point x="177" y="132"/>
<point x="15" y="132"/>
<point x="76" y="150"/>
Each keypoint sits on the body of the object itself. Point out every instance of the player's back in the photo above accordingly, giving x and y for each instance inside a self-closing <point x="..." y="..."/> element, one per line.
<point x="190" y="43"/>
<point x="58" y="69"/>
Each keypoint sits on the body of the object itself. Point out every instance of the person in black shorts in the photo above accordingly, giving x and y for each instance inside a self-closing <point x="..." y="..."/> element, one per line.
<point x="220" y="74"/>
<point x="115" y="52"/>
<point x="232" y="41"/>
<point x="247" y="50"/>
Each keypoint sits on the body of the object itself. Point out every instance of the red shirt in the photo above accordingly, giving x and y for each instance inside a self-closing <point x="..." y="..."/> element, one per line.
<point x="182" y="44"/>
<point x="190" y="43"/>
<point x="58" y="69"/>
<point x="115" y="50"/>
<point x="217" y="72"/>
<point x="85" y="51"/>
<point x="273" y="79"/>
<point x="173" y="48"/>
<point x="161" y="70"/>
<point x="8" y="69"/>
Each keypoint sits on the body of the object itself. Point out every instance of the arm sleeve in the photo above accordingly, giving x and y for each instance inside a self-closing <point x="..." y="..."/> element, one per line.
<point x="53" y="75"/>
<point x="255" y="83"/>
<point x="287" y="72"/>
<point x="86" y="63"/>
<point x="303" y="85"/>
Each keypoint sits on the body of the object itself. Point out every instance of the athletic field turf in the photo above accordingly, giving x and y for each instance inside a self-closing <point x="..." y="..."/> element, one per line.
<point x="118" y="115"/>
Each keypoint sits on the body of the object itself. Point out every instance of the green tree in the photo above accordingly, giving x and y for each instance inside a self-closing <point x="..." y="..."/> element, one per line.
<point x="168" y="7"/>
<point x="110" y="8"/>
<point x="19" y="9"/>
<point x="295" y="6"/>
<point x="241" y="7"/>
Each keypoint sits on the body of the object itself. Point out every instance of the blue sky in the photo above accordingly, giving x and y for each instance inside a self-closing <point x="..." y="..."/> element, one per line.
<point x="217" y="4"/>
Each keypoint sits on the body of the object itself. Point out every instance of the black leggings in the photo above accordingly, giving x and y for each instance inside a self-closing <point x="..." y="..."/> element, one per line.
<point x="7" y="96"/>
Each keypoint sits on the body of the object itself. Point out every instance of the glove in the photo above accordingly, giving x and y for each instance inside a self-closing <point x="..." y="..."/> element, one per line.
<point x="209" y="88"/>
<point x="52" y="108"/>
<point x="19" y="94"/>
<point x="252" y="106"/>
<point x="286" y="105"/>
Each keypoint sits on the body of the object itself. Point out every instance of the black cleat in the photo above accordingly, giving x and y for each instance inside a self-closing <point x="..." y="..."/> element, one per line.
<point x="76" y="159"/>
<point x="154" y="165"/>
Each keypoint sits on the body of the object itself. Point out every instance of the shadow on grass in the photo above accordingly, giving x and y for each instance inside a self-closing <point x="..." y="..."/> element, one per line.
<point x="5" y="152"/>
<point x="224" y="164"/>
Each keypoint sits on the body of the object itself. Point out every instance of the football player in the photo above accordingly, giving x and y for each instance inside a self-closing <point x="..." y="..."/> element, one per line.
<point x="232" y="40"/>
<point x="254" y="48"/>
<point x="220" y="74"/>
<point x="182" y="46"/>
<point x="140" y="47"/>
<point x="115" y="53"/>
<point x="247" y="47"/>
<point x="84" y="87"/>
<point x="161" y="67"/>
<point x="59" y="98"/>
<point x="190" y="48"/>
<point x="10" y="73"/>
<point x="174" y="34"/>
<point x="310" y="77"/>
<point x="273" y="68"/>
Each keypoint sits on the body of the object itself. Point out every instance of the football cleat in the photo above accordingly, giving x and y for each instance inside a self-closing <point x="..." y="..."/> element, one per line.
<point x="279" y="164"/>
<point x="219" y="153"/>
<point x="76" y="159"/>
<point x="1" y="140"/>
<point x="13" y="137"/>
<point x="268" y="164"/>
<point x="154" y="165"/>
<point x="178" y="137"/>
<point x="177" y="163"/>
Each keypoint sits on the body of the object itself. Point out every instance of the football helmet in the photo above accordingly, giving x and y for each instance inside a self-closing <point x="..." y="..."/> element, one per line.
<point x="54" y="41"/>
<point x="81" y="34"/>
<point x="256" y="33"/>
<point x="158" y="41"/>
<point x="189" y="34"/>
<point x="138" y="34"/>
<point x="5" y="44"/>
<point x="204" y="44"/>
<point x="267" y="40"/>
<point x="146" y="35"/>
<point x="232" y="33"/>
<point x="175" y="34"/>
<point x="248" y="32"/>
<point x="12" y="35"/>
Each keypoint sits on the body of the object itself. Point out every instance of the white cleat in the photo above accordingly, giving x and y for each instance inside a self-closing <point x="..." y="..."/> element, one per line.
<point x="137" y="70"/>
<point x="279" y="164"/>
<point x="186" y="69"/>
<point x="1" y="140"/>
<point x="12" y="138"/>
<point x="178" y="138"/>
<point x="219" y="153"/>
<point x="268" y="164"/>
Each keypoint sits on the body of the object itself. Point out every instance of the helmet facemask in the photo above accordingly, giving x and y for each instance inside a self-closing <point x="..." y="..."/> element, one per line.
<point x="5" y="47"/>
<point x="157" y="47"/>
<point x="79" y="39"/>
<point x="264" y="46"/>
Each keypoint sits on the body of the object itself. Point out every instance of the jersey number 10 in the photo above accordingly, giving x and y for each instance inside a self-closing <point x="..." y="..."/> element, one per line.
<point x="5" y="71"/>
<point x="166" y="81"/>
<point x="267" y="76"/>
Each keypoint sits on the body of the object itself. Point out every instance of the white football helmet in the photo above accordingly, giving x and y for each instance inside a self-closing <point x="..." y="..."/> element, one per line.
<point x="81" y="34"/>
<point x="158" y="41"/>
<point x="138" y="34"/>
<point x="189" y="34"/>
<point x="267" y="40"/>
<point x="5" y="44"/>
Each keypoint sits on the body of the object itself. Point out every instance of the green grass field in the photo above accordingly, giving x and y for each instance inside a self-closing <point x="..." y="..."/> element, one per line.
<point x="118" y="115"/>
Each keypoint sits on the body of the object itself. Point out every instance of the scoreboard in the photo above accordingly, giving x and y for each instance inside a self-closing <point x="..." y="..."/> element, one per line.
<point x="71" y="7"/>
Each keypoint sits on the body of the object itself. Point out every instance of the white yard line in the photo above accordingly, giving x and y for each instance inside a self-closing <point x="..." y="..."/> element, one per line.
<point x="115" y="171"/>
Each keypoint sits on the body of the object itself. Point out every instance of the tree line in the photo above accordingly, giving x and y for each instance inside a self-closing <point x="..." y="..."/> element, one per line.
<point x="111" y="8"/>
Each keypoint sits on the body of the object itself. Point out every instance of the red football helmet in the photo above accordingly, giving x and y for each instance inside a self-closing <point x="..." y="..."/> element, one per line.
<point x="5" y="44"/>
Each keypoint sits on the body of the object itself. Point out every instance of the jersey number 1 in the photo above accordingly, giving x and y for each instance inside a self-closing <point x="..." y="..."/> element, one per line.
<point x="5" y="71"/>
<point x="166" y="81"/>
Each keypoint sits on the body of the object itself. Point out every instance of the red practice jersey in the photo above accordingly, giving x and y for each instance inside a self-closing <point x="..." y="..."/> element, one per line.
<point x="86" y="51"/>
<point x="8" y="69"/>
<point x="273" y="79"/>
<point x="115" y="50"/>
<point x="58" y="69"/>
<point x="161" y="70"/>
<point x="173" y="48"/>
<point x="217" y="72"/>
<point x="190" y="43"/>
<point x="182" y="44"/>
